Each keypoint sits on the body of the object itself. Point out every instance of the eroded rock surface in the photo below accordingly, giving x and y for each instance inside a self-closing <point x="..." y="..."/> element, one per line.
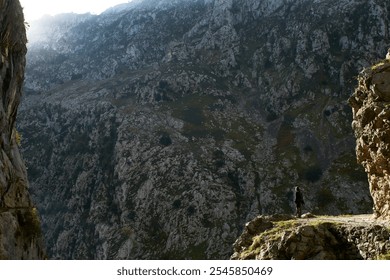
<point x="20" y="233"/>
<point x="371" y="123"/>
<point x="316" y="238"/>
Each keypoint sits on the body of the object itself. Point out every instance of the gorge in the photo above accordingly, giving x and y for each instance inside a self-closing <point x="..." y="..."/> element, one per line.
<point x="157" y="130"/>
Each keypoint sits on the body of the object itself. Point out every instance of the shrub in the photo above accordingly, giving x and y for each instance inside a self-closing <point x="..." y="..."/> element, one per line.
<point x="18" y="138"/>
<point x="165" y="140"/>
<point x="313" y="174"/>
<point x="325" y="197"/>
<point x="176" y="204"/>
<point x="384" y="256"/>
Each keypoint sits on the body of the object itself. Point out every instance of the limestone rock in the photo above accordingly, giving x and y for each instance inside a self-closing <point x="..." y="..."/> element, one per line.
<point x="320" y="238"/>
<point x="371" y="123"/>
<point x="20" y="232"/>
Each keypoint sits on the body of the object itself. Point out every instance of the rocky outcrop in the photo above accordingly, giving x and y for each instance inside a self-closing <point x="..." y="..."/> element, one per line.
<point x="20" y="232"/>
<point x="313" y="238"/>
<point x="371" y="123"/>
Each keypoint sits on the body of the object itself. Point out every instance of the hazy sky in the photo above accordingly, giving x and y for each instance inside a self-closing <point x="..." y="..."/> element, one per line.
<point x="35" y="9"/>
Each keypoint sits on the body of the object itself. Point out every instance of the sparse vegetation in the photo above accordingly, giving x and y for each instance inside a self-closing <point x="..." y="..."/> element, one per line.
<point x="30" y="225"/>
<point x="313" y="174"/>
<point x="384" y="256"/>
<point x="18" y="138"/>
<point x="325" y="197"/>
<point x="165" y="140"/>
<point x="272" y="234"/>
<point x="379" y="64"/>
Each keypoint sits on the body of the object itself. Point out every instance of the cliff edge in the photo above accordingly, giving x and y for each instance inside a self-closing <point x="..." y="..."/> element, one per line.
<point x="282" y="237"/>
<point x="20" y="233"/>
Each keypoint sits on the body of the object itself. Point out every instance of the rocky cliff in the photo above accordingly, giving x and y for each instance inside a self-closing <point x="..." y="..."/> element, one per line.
<point x="156" y="130"/>
<point x="282" y="237"/>
<point x="339" y="237"/>
<point x="371" y="123"/>
<point x="20" y="232"/>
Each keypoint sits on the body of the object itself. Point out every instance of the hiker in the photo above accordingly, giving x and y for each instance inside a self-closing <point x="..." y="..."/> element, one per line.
<point x="298" y="201"/>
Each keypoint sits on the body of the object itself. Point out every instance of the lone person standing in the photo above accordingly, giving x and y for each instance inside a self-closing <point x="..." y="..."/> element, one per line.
<point x="298" y="201"/>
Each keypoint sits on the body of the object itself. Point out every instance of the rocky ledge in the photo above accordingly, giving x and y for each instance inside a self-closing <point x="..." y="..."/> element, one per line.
<point x="283" y="237"/>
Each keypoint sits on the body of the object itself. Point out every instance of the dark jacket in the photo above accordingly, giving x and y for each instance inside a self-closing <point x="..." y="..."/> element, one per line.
<point x="299" y="198"/>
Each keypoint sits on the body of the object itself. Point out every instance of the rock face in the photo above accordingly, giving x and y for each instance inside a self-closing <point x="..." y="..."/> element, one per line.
<point x="371" y="123"/>
<point x="20" y="232"/>
<point x="158" y="129"/>
<point x="321" y="238"/>
<point x="349" y="238"/>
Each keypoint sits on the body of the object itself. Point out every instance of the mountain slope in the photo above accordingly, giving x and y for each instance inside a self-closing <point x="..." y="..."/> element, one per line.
<point x="158" y="131"/>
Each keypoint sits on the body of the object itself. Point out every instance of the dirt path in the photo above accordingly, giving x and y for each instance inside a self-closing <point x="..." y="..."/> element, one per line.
<point x="358" y="220"/>
<point x="8" y="209"/>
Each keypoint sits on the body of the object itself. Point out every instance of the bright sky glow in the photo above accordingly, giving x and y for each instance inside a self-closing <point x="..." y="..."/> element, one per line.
<point x="35" y="9"/>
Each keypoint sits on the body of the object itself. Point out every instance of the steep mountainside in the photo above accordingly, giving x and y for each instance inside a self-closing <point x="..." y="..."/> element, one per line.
<point x="20" y="232"/>
<point x="158" y="130"/>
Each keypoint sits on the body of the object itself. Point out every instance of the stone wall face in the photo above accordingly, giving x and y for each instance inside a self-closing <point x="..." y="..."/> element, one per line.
<point x="286" y="238"/>
<point x="20" y="235"/>
<point x="371" y="123"/>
